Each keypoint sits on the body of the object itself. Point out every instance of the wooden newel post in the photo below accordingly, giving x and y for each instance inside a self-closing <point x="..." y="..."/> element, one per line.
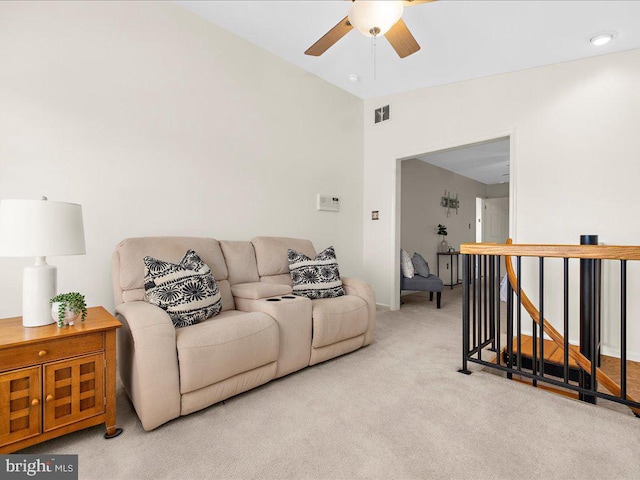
<point x="590" y="290"/>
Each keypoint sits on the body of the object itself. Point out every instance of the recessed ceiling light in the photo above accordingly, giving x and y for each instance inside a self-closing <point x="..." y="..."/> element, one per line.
<point x="353" y="78"/>
<point x="602" y="38"/>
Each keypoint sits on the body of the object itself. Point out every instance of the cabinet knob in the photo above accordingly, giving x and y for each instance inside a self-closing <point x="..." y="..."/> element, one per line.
<point x="49" y="398"/>
<point x="35" y="402"/>
<point x="42" y="353"/>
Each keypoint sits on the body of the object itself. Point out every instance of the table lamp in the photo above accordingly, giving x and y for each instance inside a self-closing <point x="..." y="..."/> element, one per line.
<point x="40" y="228"/>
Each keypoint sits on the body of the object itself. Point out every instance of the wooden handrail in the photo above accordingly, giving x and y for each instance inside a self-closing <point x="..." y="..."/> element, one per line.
<point x="574" y="351"/>
<point x="608" y="252"/>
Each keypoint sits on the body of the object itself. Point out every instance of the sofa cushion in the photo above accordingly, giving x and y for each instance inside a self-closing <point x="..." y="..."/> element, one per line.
<point x="229" y="344"/>
<point x="240" y="258"/>
<point x="128" y="265"/>
<point x="337" y="319"/>
<point x="271" y="253"/>
<point x="420" y="265"/>
<point x="315" y="278"/>
<point x="256" y="290"/>
<point x="187" y="291"/>
<point x="282" y="279"/>
<point x="428" y="284"/>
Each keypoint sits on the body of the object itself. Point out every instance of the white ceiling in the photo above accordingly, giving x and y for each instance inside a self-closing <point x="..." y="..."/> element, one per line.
<point x="460" y="40"/>
<point x="486" y="162"/>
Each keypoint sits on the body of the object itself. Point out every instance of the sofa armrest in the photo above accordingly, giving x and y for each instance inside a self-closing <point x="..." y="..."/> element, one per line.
<point x="360" y="288"/>
<point x="148" y="362"/>
<point x="256" y="290"/>
<point x="293" y="316"/>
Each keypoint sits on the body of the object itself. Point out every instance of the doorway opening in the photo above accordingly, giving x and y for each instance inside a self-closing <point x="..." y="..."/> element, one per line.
<point x="476" y="175"/>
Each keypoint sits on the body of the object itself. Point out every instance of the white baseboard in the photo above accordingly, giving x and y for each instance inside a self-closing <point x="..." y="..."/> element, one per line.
<point x="615" y="352"/>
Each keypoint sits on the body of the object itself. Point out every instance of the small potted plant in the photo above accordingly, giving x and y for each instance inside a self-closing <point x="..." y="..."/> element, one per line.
<point x="442" y="231"/>
<point x="67" y="307"/>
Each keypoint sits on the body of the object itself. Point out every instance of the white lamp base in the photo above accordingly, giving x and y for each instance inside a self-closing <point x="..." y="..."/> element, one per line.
<point x="38" y="287"/>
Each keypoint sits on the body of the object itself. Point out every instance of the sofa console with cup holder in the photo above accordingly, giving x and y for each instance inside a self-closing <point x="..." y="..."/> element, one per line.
<point x="262" y="331"/>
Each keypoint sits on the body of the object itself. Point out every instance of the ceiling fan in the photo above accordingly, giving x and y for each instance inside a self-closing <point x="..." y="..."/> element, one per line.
<point x="373" y="18"/>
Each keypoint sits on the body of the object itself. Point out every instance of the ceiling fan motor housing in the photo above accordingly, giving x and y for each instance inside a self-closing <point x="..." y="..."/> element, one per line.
<point x="373" y="18"/>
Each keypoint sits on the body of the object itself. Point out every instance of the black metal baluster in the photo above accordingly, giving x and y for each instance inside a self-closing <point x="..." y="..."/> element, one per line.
<point x="496" y="330"/>
<point x="519" y="311"/>
<point x="509" y="329"/>
<point x="542" y="316"/>
<point x="480" y="307"/>
<point x="485" y="337"/>
<point x="465" y="313"/>
<point x="491" y="298"/>
<point x="623" y="329"/>
<point x="566" y="320"/>
<point x="473" y="298"/>
<point x="534" y="349"/>
<point x="490" y="301"/>
<point x="592" y="345"/>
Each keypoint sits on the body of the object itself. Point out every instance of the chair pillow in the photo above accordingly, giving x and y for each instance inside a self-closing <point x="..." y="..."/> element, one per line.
<point x="187" y="291"/>
<point x="406" y="265"/>
<point x="315" y="278"/>
<point x="420" y="265"/>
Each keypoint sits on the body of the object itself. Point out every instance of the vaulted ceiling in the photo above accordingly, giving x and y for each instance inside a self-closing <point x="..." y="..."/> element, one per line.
<point x="460" y="40"/>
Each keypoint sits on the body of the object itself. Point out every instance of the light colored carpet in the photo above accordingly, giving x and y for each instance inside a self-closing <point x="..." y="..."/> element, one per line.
<point x="395" y="409"/>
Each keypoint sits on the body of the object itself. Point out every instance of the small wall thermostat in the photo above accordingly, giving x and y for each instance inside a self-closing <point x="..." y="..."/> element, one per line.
<point x="328" y="203"/>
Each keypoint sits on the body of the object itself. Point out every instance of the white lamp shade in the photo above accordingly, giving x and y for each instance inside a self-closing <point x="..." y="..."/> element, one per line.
<point x="40" y="228"/>
<point x="365" y="15"/>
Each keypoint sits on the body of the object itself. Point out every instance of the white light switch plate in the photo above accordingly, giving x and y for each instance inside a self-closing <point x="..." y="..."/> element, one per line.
<point x="328" y="203"/>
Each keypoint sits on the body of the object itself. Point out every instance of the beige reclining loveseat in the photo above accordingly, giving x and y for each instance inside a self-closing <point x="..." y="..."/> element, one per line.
<point x="262" y="333"/>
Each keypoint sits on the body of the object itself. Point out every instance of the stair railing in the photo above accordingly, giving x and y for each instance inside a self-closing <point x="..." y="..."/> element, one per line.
<point x="482" y="318"/>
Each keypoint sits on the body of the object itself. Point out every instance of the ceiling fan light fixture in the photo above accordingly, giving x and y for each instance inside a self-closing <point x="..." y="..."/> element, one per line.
<point x="374" y="18"/>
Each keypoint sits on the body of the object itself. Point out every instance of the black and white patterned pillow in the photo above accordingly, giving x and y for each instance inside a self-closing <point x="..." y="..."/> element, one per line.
<point x="315" y="278"/>
<point x="187" y="291"/>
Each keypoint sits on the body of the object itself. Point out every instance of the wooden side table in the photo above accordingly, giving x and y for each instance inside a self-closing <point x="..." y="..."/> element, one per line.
<point x="54" y="381"/>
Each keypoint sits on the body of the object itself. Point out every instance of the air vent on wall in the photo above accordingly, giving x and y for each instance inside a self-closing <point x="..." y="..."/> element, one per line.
<point x="382" y="114"/>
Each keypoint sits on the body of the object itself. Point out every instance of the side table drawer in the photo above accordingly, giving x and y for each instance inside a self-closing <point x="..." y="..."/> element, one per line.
<point x="26" y="355"/>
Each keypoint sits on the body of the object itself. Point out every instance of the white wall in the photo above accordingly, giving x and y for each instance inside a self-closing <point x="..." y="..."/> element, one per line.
<point x="574" y="157"/>
<point x="423" y="186"/>
<point x="498" y="190"/>
<point x="160" y="123"/>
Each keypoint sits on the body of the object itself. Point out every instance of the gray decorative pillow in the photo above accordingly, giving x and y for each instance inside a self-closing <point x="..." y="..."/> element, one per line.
<point x="406" y="265"/>
<point x="315" y="278"/>
<point x="187" y="291"/>
<point x="420" y="265"/>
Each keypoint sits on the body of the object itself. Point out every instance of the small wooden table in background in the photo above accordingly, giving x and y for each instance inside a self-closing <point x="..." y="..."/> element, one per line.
<point x="54" y="381"/>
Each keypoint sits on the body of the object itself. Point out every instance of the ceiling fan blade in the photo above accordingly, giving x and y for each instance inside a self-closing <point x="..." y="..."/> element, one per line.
<point x="401" y="39"/>
<point x="409" y="3"/>
<point x="328" y="39"/>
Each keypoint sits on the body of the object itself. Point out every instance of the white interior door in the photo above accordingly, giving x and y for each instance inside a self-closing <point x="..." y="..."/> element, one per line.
<point x="495" y="220"/>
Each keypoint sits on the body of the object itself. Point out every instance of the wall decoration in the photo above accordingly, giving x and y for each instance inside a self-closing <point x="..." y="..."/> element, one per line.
<point x="449" y="202"/>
